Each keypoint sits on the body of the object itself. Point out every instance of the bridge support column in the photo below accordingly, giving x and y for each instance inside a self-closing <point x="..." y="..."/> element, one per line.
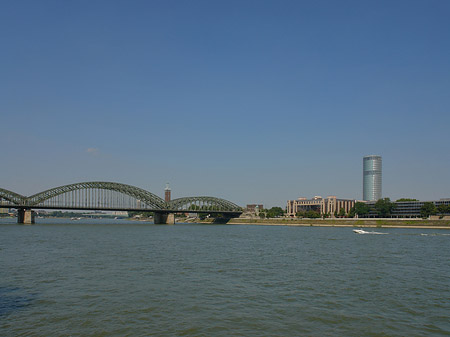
<point x="25" y="216"/>
<point x="163" y="218"/>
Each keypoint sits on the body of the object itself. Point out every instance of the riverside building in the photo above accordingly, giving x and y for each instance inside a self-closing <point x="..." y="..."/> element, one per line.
<point x="372" y="178"/>
<point x="411" y="209"/>
<point x="328" y="205"/>
<point x="254" y="208"/>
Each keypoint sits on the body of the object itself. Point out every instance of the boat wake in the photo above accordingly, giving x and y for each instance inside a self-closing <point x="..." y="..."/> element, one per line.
<point x="360" y="231"/>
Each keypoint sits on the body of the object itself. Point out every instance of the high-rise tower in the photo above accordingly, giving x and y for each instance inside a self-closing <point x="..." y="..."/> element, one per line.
<point x="167" y="193"/>
<point x="371" y="178"/>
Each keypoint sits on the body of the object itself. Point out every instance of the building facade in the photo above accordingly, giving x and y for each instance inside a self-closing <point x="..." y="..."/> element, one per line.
<point x="329" y="205"/>
<point x="372" y="178"/>
<point x="410" y="209"/>
<point x="254" y="208"/>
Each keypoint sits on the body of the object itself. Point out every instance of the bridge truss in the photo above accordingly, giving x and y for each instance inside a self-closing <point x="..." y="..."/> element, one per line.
<point x="99" y="195"/>
<point x="203" y="204"/>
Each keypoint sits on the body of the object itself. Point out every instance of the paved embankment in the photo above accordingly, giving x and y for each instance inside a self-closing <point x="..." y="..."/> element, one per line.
<point x="399" y="223"/>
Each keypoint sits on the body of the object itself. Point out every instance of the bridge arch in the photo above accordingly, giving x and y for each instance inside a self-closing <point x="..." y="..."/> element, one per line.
<point x="91" y="194"/>
<point x="203" y="204"/>
<point x="11" y="197"/>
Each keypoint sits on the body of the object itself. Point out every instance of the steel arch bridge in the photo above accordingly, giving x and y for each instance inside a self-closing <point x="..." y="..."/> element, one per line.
<point x="8" y="197"/>
<point x="98" y="195"/>
<point x="203" y="203"/>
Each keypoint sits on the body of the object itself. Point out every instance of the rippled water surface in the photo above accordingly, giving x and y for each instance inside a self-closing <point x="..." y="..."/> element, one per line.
<point x="136" y="279"/>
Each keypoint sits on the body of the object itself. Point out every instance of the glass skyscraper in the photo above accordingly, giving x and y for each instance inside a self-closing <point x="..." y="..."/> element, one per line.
<point x="371" y="178"/>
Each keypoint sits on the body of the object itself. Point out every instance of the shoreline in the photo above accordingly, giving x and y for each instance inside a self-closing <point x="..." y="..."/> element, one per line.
<point x="342" y="225"/>
<point x="355" y="223"/>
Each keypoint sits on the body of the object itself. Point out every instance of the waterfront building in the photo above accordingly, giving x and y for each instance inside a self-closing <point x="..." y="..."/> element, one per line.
<point x="329" y="205"/>
<point x="254" y="208"/>
<point x="372" y="178"/>
<point x="410" y="209"/>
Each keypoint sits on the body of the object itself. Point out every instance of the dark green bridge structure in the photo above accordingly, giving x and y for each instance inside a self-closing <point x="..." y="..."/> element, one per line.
<point x="110" y="196"/>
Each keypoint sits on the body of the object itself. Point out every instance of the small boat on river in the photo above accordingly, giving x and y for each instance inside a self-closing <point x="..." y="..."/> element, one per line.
<point x="360" y="231"/>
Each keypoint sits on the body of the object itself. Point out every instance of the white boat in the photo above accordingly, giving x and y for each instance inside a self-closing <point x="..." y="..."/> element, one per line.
<point x="360" y="231"/>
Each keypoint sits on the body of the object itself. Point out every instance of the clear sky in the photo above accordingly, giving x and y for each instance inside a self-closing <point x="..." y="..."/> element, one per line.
<point x="252" y="101"/>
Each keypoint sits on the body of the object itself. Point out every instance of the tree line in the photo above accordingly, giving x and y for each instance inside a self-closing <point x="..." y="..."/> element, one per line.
<point x="429" y="208"/>
<point x="383" y="208"/>
<point x="274" y="212"/>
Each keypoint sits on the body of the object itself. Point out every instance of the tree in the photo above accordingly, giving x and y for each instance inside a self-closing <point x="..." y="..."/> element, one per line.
<point x="351" y="213"/>
<point x="361" y="209"/>
<point x="341" y="213"/>
<point x="428" y="208"/>
<point x="312" y="214"/>
<point x="384" y="207"/>
<point x="443" y="209"/>
<point x="275" y="212"/>
<point x="406" y="199"/>
<point x="300" y="214"/>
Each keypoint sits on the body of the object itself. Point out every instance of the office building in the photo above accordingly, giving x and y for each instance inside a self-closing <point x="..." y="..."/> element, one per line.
<point x="372" y="178"/>
<point x="329" y="205"/>
<point x="410" y="209"/>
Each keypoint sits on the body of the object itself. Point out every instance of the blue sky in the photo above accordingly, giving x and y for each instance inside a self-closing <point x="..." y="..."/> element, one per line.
<point x="251" y="101"/>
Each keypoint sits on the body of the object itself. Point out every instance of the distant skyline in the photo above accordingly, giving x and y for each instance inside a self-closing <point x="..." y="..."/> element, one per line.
<point x="251" y="101"/>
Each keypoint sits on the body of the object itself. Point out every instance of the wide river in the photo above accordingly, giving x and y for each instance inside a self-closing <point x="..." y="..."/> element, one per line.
<point x="92" y="278"/>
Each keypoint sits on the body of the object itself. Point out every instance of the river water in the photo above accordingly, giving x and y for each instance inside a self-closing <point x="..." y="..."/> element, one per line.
<point x="91" y="278"/>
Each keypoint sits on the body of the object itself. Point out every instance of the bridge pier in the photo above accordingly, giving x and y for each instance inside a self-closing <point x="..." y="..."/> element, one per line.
<point x="163" y="218"/>
<point x="25" y="216"/>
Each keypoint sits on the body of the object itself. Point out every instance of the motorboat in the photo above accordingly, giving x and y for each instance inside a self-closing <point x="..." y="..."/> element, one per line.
<point x="360" y="231"/>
